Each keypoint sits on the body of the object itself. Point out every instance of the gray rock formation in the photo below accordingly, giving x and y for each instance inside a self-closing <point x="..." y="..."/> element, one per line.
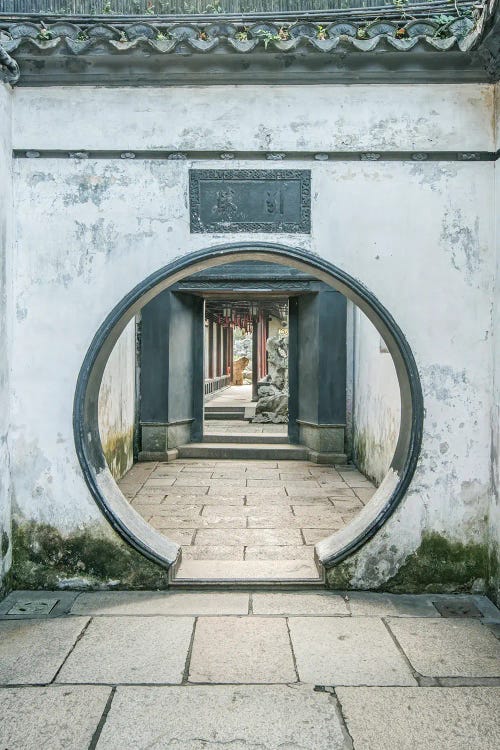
<point x="272" y="405"/>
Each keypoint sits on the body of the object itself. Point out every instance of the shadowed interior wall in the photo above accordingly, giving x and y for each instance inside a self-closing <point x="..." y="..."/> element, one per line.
<point x="171" y="373"/>
<point x="5" y="206"/>
<point x="377" y="406"/>
<point x="117" y="404"/>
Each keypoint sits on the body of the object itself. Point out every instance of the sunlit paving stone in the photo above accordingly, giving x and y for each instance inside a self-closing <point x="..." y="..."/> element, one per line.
<point x="240" y="509"/>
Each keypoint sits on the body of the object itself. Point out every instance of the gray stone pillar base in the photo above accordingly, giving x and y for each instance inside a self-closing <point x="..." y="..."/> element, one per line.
<point x="159" y="438"/>
<point x="326" y="441"/>
<point x="170" y="455"/>
<point x="327" y="458"/>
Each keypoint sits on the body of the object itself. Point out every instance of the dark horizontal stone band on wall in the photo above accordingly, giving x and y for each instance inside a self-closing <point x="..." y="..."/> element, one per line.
<point x="273" y="156"/>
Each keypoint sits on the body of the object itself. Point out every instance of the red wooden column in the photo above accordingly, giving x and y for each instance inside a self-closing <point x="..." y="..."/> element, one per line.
<point x="255" y="357"/>
<point x="262" y="345"/>
<point x="210" y="349"/>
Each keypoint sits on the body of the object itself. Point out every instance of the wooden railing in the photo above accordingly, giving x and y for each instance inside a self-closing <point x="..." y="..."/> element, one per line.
<point x="212" y="385"/>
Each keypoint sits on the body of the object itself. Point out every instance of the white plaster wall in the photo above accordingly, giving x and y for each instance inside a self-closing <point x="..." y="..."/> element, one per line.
<point x="377" y="402"/>
<point x="256" y="117"/>
<point x="5" y="297"/>
<point x="419" y="235"/>
<point x="117" y="404"/>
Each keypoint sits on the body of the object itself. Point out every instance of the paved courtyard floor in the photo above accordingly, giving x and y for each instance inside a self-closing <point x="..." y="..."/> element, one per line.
<point x="248" y="671"/>
<point x="269" y="514"/>
<point x="232" y="427"/>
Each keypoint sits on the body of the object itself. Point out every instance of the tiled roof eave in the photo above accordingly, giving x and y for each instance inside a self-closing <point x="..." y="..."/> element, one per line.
<point x="159" y="52"/>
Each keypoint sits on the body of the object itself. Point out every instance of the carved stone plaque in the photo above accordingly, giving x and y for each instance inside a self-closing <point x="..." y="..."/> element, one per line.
<point x="250" y="200"/>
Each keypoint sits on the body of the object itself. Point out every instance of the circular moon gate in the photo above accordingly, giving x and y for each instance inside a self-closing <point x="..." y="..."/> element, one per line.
<point x="132" y="528"/>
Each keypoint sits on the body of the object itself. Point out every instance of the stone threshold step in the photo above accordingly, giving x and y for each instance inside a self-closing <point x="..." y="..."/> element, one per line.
<point x="226" y="415"/>
<point x="247" y="571"/>
<point x="249" y="451"/>
<point x="223" y="407"/>
<point x="257" y="437"/>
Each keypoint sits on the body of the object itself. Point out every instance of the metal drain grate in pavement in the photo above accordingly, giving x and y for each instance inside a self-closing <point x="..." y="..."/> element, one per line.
<point x="35" y="607"/>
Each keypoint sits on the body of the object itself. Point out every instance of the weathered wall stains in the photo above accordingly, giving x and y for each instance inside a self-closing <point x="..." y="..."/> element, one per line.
<point x="494" y="509"/>
<point x="323" y="118"/>
<point x="88" y="558"/>
<point x="438" y="566"/>
<point x="117" y="404"/>
<point x="94" y="229"/>
<point x="377" y="403"/>
<point x="5" y="299"/>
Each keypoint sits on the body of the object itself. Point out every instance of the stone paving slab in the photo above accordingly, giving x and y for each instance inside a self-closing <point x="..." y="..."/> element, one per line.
<point x="448" y="648"/>
<point x="241" y="650"/>
<point x="214" y="552"/>
<point x="130" y="649"/>
<point x="269" y="498"/>
<point x="158" y="482"/>
<point x="295" y="476"/>
<point x="317" y="491"/>
<point x="383" y="605"/>
<point x="181" y="490"/>
<point x="314" y="520"/>
<point x="148" y="497"/>
<point x="347" y="651"/>
<point x="292" y="603"/>
<point x="197" y="480"/>
<point x="210" y="511"/>
<point x="345" y="504"/>
<point x="163" y="470"/>
<point x="234" y="717"/>
<point x="313" y="536"/>
<point x="254" y="463"/>
<point x="318" y="503"/>
<point x="236" y="570"/>
<point x="231" y="472"/>
<point x="279" y="552"/>
<point x="161" y="603"/>
<point x="268" y="493"/>
<point x="31" y="651"/>
<point x="265" y="483"/>
<point x="422" y="718"/>
<point x="236" y="500"/>
<point x="365" y="494"/>
<point x="277" y="520"/>
<point x="249" y="537"/>
<point x="291" y="504"/>
<point x="173" y="511"/>
<point x="55" y="717"/>
<point x="183" y="522"/>
<point x="179" y="536"/>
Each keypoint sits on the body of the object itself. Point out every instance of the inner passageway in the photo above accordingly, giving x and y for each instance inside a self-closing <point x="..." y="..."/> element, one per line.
<point x="249" y="398"/>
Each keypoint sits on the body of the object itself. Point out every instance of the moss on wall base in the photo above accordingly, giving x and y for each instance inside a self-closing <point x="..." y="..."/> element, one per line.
<point x="119" y="453"/>
<point x="437" y="566"/>
<point x="44" y="559"/>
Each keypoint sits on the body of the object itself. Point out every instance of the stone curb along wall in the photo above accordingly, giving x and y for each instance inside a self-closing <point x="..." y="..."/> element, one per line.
<point x="418" y="234"/>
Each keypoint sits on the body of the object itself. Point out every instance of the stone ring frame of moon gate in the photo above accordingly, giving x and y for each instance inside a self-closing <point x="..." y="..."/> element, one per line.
<point x="117" y="510"/>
